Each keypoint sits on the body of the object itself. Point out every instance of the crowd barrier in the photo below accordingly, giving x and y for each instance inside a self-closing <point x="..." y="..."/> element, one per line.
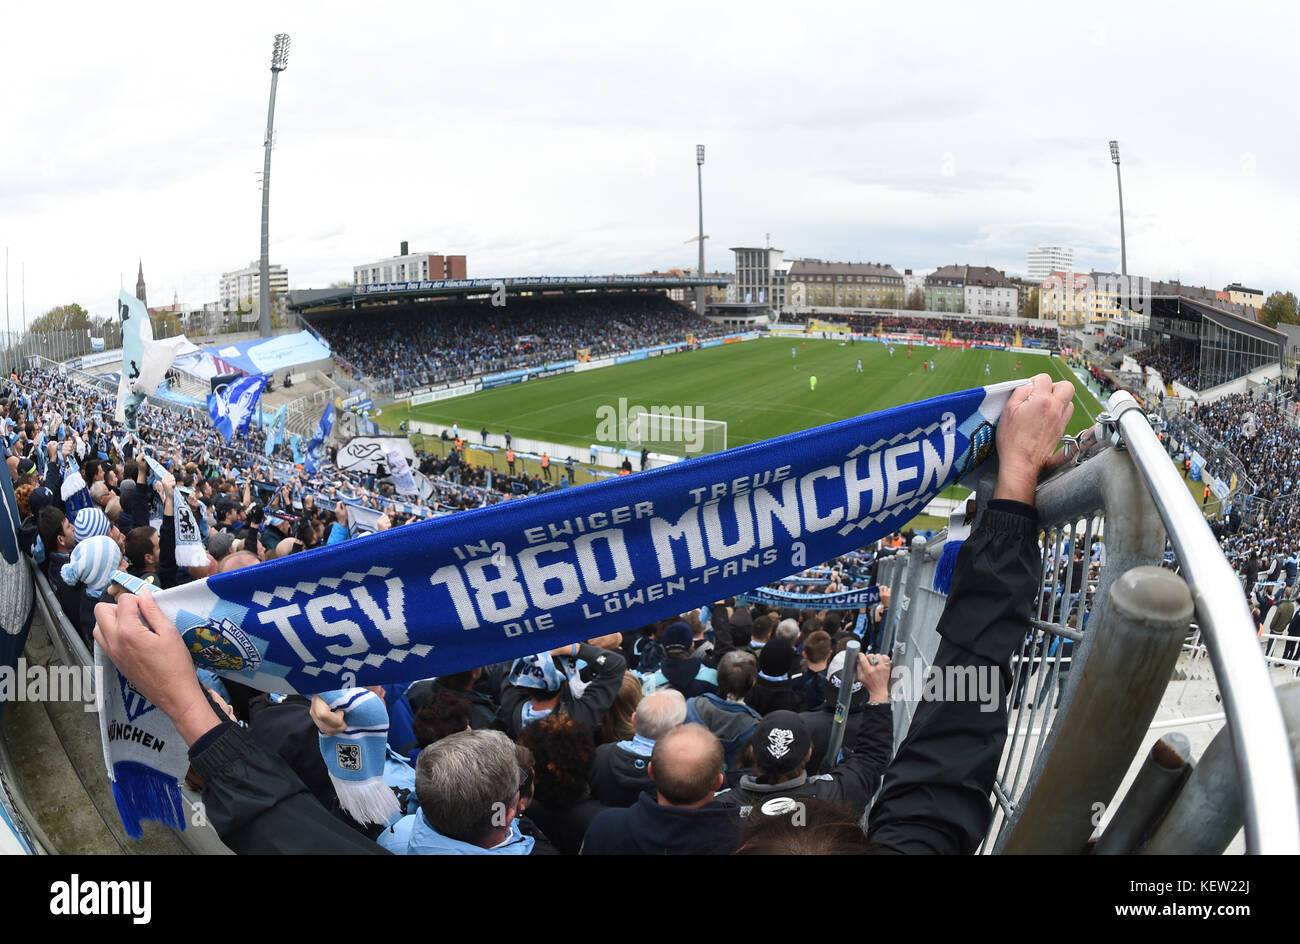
<point x="54" y="645"/>
<point x="1077" y="720"/>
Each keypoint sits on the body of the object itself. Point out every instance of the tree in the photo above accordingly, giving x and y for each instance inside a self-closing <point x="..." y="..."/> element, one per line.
<point x="63" y="318"/>
<point x="340" y="285"/>
<point x="1031" y="304"/>
<point x="1281" y="307"/>
<point x="165" y="324"/>
<point x="916" y="300"/>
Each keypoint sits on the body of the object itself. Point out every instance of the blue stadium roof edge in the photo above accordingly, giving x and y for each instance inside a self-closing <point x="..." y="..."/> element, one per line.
<point x="432" y="288"/>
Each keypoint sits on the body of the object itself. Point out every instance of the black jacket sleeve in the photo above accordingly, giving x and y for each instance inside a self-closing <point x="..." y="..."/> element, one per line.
<point x="598" y="698"/>
<point x="936" y="793"/>
<point x="258" y="805"/>
<point x="167" y="569"/>
<point x="609" y="667"/>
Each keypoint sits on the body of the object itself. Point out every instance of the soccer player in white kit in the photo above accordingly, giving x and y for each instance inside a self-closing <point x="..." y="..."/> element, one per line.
<point x="859" y="365"/>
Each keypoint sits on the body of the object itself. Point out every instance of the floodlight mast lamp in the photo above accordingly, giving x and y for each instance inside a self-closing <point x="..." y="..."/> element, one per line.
<point x="1123" y="252"/>
<point x="699" y="179"/>
<point x="279" y="62"/>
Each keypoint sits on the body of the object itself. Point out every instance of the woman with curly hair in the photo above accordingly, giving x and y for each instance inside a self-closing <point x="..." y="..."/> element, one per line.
<point x="23" y="493"/>
<point x="564" y="750"/>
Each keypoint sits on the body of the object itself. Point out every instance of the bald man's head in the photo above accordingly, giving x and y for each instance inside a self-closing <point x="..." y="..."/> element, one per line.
<point x="237" y="560"/>
<point x="687" y="765"/>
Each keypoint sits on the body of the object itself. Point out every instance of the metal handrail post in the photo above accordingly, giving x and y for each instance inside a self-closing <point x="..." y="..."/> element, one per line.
<point x="903" y="602"/>
<point x="1259" y="737"/>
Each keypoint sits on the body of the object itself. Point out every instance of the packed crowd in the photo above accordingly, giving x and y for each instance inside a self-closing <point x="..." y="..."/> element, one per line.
<point x="1260" y="540"/>
<point x="1111" y="343"/>
<point x="1254" y="430"/>
<point x="243" y="500"/>
<point x="1259" y="532"/>
<point x="418" y="345"/>
<point x="1176" y="361"/>
<point x="702" y="732"/>
<point x="963" y="329"/>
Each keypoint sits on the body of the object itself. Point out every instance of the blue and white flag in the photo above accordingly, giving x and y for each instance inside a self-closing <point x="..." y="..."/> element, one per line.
<point x="844" y="600"/>
<point x="190" y="551"/>
<point x="400" y="472"/>
<point x="316" y="448"/>
<point x="275" y="435"/>
<point x="295" y="443"/>
<point x="232" y="405"/>
<point x="362" y="519"/>
<point x="136" y="330"/>
<point x="520" y="577"/>
<point x="155" y="360"/>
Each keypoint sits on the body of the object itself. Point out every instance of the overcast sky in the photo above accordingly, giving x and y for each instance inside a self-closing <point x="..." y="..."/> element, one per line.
<point x="559" y="138"/>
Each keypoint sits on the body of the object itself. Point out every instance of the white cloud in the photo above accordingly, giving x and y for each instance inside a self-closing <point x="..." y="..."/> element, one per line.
<point x="560" y="138"/>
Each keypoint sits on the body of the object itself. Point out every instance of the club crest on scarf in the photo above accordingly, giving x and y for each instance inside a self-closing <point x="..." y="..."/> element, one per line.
<point x="133" y="702"/>
<point x="981" y="445"/>
<point x="349" y="756"/>
<point x="222" y="646"/>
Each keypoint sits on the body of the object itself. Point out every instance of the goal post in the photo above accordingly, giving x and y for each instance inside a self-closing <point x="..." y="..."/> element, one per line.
<point x="676" y="434"/>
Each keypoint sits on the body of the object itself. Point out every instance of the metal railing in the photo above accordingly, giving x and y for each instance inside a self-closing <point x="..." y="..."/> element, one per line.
<point x="67" y="648"/>
<point x="1096" y="661"/>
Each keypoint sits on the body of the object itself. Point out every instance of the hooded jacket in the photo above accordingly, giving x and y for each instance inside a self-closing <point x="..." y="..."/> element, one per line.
<point x="647" y="828"/>
<point x="731" y="721"/>
<point x="689" y="676"/>
<point x="851" y="782"/>
<point x="413" y="835"/>
<point x="620" y="772"/>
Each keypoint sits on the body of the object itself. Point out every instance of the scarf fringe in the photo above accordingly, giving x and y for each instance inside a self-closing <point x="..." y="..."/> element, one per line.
<point x="367" y="801"/>
<point x="943" y="571"/>
<point x="141" y="793"/>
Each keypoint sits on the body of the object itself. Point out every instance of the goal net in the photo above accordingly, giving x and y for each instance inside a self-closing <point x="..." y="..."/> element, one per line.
<point x="674" y="434"/>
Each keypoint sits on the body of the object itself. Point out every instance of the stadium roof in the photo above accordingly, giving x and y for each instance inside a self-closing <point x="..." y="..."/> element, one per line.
<point x="814" y="267"/>
<point x="1174" y="302"/>
<point x="441" y="288"/>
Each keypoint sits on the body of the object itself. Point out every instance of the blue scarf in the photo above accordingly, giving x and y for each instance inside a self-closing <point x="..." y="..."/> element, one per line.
<point x="640" y="746"/>
<point x="495" y="583"/>
<point x="355" y="758"/>
<point x="844" y="600"/>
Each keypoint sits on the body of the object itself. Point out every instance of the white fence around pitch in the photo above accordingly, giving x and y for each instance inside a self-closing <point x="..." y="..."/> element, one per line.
<point x="604" y="457"/>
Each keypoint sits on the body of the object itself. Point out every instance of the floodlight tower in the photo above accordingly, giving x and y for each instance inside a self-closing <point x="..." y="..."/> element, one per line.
<point x="699" y="179"/>
<point x="1123" y="254"/>
<point x="279" y="62"/>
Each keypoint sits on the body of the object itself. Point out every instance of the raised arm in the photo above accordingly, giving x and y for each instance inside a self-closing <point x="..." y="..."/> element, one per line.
<point x="936" y="792"/>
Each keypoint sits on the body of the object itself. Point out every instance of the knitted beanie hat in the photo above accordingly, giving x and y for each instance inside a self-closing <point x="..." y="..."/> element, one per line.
<point x="89" y="523"/>
<point x="92" y="563"/>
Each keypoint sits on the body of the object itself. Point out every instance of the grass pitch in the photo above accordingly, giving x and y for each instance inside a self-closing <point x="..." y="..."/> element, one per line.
<point x="757" y="387"/>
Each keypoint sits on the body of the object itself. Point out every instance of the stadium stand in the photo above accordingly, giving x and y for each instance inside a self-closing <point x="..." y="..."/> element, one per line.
<point x="590" y="723"/>
<point x="975" y="330"/>
<point x="414" y="345"/>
